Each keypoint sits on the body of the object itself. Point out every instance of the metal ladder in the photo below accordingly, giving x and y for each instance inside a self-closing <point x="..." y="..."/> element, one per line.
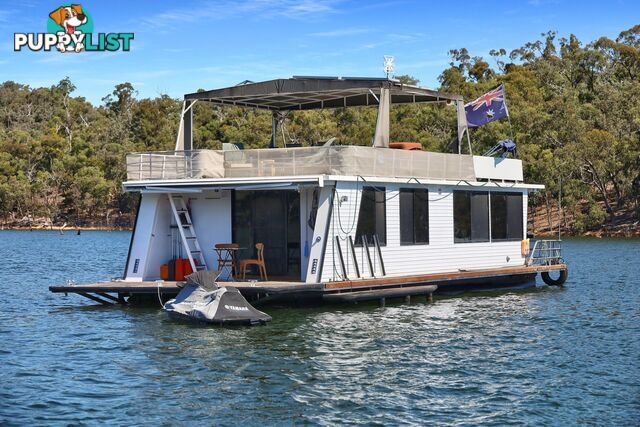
<point x="187" y="232"/>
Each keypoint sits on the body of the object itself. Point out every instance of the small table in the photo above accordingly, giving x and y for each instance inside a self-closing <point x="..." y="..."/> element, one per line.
<point x="227" y="259"/>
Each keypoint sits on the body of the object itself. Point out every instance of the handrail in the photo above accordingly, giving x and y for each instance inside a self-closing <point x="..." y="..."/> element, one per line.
<point x="332" y="160"/>
<point x="185" y="164"/>
<point x="545" y="252"/>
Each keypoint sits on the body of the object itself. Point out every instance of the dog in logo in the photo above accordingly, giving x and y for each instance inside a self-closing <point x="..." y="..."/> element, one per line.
<point x="69" y="17"/>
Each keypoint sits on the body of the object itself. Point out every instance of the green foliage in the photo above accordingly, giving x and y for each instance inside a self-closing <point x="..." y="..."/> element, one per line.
<point x="592" y="218"/>
<point x="575" y="114"/>
<point x="574" y="110"/>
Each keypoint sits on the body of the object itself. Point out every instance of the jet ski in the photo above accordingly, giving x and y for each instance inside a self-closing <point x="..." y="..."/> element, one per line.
<point x="201" y="299"/>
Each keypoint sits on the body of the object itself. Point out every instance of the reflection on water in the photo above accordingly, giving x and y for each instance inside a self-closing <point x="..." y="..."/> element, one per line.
<point x="548" y="356"/>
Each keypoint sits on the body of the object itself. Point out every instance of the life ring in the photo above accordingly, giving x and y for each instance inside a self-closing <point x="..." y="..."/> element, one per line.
<point x="555" y="282"/>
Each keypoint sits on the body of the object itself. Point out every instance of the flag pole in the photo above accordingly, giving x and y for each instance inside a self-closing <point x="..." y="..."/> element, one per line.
<point x="507" y="108"/>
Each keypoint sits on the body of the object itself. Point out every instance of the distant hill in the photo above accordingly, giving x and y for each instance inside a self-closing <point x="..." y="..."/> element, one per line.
<point x="574" y="113"/>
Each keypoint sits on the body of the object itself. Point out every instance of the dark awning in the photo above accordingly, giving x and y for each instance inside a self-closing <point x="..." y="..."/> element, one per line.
<point x="309" y="93"/>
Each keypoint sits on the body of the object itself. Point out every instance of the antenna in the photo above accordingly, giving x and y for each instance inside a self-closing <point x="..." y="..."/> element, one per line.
<point x="389" y="66"/>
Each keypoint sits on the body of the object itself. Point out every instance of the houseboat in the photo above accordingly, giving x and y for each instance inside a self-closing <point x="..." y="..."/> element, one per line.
<point x="328" y="222"/>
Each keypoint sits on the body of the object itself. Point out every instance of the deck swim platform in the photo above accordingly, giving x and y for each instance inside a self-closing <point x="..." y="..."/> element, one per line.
<point x="443" y="277"/>
<point x="172" y="287"/>
<point x="348" y="290"/>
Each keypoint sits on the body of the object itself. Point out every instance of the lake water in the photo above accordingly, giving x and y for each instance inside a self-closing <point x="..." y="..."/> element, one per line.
<point x="545" y="357"/>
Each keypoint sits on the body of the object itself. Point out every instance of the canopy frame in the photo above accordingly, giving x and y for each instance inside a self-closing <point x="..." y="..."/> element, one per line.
<point x="312" y="93"/>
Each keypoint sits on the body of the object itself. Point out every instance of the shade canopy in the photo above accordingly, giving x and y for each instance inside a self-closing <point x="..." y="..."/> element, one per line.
<point x="309" y="93"/>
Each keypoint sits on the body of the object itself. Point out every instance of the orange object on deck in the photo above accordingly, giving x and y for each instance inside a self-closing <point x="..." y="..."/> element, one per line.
<point x="164" y="271"/>
<point x="183" y="268"/>
<point x="406" y="145"/>
<point x="187" y="266"/>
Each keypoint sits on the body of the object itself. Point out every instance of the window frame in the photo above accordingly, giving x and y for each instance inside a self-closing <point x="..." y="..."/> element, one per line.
<point x="520" y="216"/>
<point x="375" y="190"/>
<point x="413" y="192"/>
<point x="471" y="239"/>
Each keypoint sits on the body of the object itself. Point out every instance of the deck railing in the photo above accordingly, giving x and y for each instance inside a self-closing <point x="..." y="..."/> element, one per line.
<point x="545" y="252"/>
<point x="335" y="160"/>
<point x="174" y="165"/>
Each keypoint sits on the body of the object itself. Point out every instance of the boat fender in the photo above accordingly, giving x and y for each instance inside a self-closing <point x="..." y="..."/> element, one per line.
<point x="555" y="282"/>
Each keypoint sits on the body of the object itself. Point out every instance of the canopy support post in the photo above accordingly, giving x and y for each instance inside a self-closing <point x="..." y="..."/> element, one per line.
<point x="274" y="129"/>
<point x="462" y="126"/>
<point x="187" y="117"/>
<point x="180" y="136"/>
<point x="381" y="137"/>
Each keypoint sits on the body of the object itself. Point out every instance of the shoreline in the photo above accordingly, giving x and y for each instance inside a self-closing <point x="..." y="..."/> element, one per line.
<point x="65" y="229"/>
<point x="630" y="234"/>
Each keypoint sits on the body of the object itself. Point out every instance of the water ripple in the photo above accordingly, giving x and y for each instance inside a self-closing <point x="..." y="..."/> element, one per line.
<point x="541" y="357"/>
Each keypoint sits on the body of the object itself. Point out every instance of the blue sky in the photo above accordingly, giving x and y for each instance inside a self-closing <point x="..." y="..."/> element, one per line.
<point x="181" y="46"/>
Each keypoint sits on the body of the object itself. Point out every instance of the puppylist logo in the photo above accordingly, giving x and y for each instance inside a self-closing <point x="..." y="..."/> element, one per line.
<point x="70" y="29"/>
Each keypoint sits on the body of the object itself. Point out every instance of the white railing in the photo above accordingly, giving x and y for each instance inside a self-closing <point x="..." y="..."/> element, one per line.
<point x="335" y="160"/>
<point x="545" y="252"/>
<point x="158" y="165"/>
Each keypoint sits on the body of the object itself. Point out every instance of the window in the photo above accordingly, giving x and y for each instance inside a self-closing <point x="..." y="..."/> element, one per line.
<point x="506" y="216"/>
<point x="372" y="216"/>
<point x="470" y="216"/>
<point x="414" y="217"/>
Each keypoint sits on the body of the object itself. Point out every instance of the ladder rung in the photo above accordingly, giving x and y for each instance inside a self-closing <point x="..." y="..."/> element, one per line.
<point x="182" y="214"/>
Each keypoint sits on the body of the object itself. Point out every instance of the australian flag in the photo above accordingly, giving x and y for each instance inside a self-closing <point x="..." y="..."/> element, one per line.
<point x="489" y="107"/>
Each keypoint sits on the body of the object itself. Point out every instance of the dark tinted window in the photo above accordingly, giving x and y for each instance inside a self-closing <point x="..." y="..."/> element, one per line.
<point x="471" y="216"/>
<point x="414" y="217"/>
<point x="372" y="216"/>
<point x="479" y="216"/>
<point x="515" y="227"/>
<point x="498" y="216"/>
<point x="406" y="217"/>
<point x="461" y="216"/>
<point x="506" y="216"/>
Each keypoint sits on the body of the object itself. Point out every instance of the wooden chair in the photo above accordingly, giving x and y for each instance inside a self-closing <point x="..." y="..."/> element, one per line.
<point x="259" y="262"/>
<point x="227" y="256"/>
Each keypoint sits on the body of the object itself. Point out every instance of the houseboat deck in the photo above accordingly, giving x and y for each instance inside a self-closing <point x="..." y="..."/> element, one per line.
<point x="338" y="291"/>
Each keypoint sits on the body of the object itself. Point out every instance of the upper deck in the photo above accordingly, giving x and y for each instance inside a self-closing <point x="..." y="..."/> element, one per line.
<point x="347" y="161"/>
<point x="186" y="166"/>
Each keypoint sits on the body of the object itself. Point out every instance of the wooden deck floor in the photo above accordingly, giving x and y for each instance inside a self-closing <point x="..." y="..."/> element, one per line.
<point x="440" y="277"/>
<point x="116" y="291"/>
<point x="167" y="287"/>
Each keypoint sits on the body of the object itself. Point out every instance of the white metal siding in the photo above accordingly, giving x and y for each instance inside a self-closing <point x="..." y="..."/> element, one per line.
<point x="142" y="237"/>
<point x="440" y="255"/>
<point x="211" y="216"/>
<point x="160" y="243"/>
